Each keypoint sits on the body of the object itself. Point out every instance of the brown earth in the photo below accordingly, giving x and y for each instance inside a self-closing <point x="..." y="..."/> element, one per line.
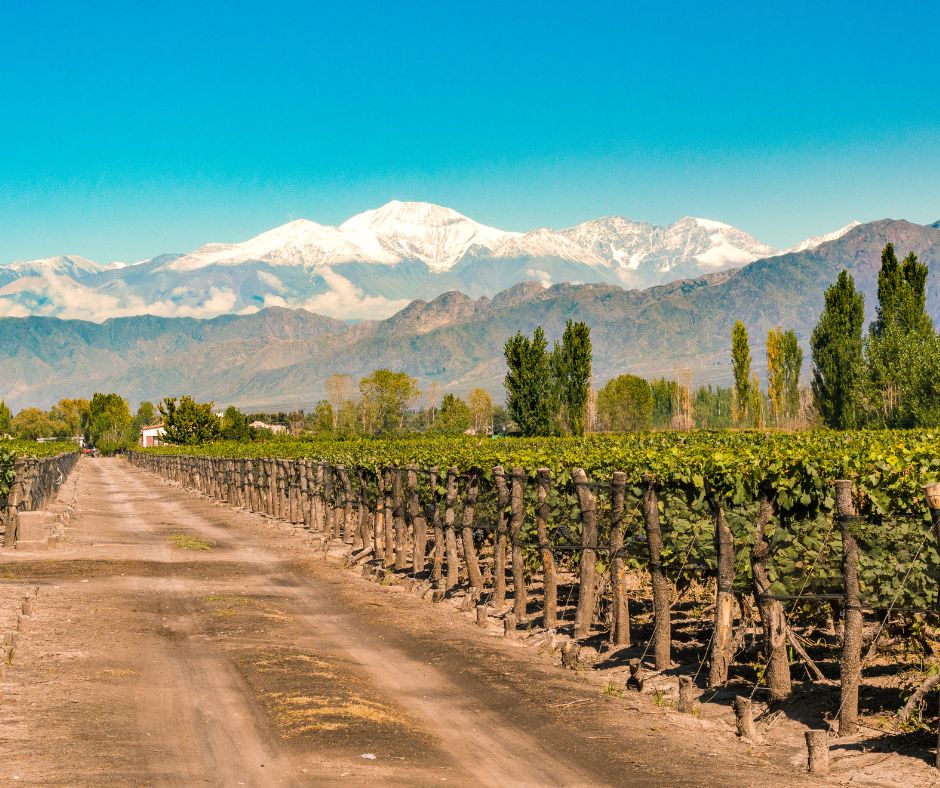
<point x="174" y="641"/>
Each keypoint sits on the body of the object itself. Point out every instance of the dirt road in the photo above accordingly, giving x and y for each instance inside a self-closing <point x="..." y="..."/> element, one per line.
<point x="174" y="641"/>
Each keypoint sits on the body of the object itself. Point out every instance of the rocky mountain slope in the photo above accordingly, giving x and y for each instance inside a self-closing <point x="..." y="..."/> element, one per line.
<point x="280" y="357"/>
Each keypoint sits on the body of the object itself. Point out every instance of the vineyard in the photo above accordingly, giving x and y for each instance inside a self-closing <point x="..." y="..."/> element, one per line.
<point x="750" y="559"/>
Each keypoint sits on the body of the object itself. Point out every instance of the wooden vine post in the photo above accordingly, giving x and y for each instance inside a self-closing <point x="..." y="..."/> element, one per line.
<point x="401" y="535"/>
<point x="437" y="559"/>
<point x="466" y="530"/>
<point x="662" y="632"/>
<point x="418" y="522"/>
<point x="773" y="618"/>
<point x="499" y="540"/>
<point x="722" y="636"/>
<point x="450" y="537"/>
<point x="520" y="602"/>
<point x="620" y="631"/>
<point x="543" y="480"/>
<point x="388" y="510"/>
<point x="378" y="517"/>
<point x="365" y="516"/>
<point x="933" y="501"/>
<point x="850" y="663"/>
<point x="584" y="615"/>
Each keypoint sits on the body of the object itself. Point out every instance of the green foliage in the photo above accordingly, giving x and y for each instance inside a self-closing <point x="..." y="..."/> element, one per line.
<point x="693" y="471"/>
<point x="33" y="423"/>
<point x="324" y="420"/>
<point x="836" y="343"/>
<point x="109" y="422"/>
<point x="386" y="397"/>
<point x="453" y="417"/>
<point x="531" y="395"/>
<point x="625" y="404"/>
<point x="146" y="416"/>
<point x="901" y="351"/>
<point x="6" y="419"/>
<point x="188" y="423"/>
<point x="902" y="295"/>
<point x="712" y="408"/>
<point x="234" y="425"/>
<point x="665" y="393"/>
<point x="571" y="365"/>
<point x="741" y="366"/>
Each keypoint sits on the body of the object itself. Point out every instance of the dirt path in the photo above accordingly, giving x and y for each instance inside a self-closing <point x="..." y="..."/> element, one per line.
<point x="174" y="641"/>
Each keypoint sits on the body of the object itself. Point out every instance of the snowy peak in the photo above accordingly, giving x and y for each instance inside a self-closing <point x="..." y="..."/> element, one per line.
<point x="436" y="235"/>
<point x="819" y="240"/>
<point x="646" y="254"/>
<point x="62" y="265"/>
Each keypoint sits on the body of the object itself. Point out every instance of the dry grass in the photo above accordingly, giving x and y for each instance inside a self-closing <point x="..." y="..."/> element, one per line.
<point x="188" y="542"/>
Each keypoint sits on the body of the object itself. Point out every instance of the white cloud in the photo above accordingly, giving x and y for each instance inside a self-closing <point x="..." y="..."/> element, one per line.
<point x="61" y="296"/>
<point x="272" y="281"/>
<point x="346" y="301"/>
<point x="543" y="276"/>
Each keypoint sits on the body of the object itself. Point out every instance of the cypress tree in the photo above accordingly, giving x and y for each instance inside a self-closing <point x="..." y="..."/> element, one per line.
<point x="837" y="353"/>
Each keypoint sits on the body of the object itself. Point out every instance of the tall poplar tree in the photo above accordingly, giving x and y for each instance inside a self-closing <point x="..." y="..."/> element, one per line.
<point x="571" y="362"/>
<point x="741" y="366"/>
<point x="901" y="351"/>
<point x="530" y="384"/>
<point x="836" y="343"/>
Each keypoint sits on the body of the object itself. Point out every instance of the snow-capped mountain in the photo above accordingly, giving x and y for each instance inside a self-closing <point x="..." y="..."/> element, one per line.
<point x="63" y="265"/>
<point x="373" y="264"/>
<point x="646" y="254"/>
<point x="819" y="240"/>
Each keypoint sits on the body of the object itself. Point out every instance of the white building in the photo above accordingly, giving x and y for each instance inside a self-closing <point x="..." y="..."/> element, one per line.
<point x="150" y="436"/>
<point x="275" y="428"/>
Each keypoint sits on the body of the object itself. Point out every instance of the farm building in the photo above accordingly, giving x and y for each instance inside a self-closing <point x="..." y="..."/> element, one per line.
<point x="150" y="436"/>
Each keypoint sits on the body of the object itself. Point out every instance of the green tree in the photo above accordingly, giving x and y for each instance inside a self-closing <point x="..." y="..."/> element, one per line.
<point x="900" y="349"/>
<point x="453" y="417"/>
<point x="792" y="365"/>
<point x="625" y="404"/>
<point x="234" y="426"/>
<point x="32" y="423"/>
<point x="711" y="408"/>
<point x="665" y="394"/>
<point x="530" y="386"/>
<point x="836" y="344"/>
<point x="6" y="419"/>
<point x="571" y="364"/>
<point x="108" y="425"/>
<point x="324" y="419"/>
<point x="69" y="416"/>
<point x="386" y="397"/>
<point x="741" y="367"/>
<point x="784" y="360"/>
<point x="189" y="423"/>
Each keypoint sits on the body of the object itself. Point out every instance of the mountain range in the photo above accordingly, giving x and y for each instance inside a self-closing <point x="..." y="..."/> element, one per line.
<point x="279" y="357"/>
<point x="374" y="264"/>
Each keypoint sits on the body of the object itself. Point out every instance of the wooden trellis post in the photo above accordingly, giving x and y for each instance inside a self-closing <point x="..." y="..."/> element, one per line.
<point x="587" y="502"/>
<point x="722" y="636"/>
<point x="933" y="501"/>
<point x="499" y="539"/>
<point x="543" y="479"/>
<point x="620" y="631"/>
<point x="517" y="515"/>
<point x="662" y="632"/>
<point x="850" y="663"/>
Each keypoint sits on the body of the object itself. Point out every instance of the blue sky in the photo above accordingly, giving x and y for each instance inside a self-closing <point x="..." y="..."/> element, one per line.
<point x="131" y="129"/>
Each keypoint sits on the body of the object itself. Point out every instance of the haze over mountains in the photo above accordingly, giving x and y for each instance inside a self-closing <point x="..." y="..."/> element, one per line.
<point x="374" y="264"/>
<point x="280" y="357"/>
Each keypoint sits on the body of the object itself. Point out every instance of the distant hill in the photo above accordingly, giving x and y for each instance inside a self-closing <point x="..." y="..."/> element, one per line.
<point x="280" y="357"/>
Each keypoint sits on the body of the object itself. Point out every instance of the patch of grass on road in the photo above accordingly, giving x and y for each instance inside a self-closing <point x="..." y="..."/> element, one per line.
<point x="187" y="542"/>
